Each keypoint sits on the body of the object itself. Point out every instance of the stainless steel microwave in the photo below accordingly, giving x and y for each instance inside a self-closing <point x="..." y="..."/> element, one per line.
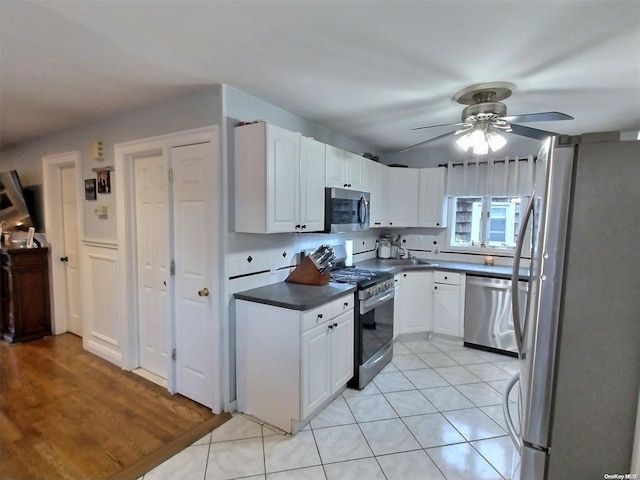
<point x="346" y="210"/>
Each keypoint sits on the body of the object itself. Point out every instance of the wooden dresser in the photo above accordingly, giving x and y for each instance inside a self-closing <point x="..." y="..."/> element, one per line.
<point x="26" y="312"/>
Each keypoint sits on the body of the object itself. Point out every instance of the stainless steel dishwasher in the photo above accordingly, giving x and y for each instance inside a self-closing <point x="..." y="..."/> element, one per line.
<point x="488" y="321"/>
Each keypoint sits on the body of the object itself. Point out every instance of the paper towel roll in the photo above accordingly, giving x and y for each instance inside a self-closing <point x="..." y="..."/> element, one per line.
<point x="348" y="247"/>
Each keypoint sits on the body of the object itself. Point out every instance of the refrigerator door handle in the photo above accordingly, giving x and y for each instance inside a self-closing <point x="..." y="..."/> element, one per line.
<point x="511" y="427"/>
<point x="515" y="307"/>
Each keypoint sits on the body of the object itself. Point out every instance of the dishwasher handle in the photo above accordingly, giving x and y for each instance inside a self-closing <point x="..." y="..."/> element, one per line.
<point x="498" y="284"/>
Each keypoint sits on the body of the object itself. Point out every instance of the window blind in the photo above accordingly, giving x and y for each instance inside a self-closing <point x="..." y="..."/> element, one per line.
<point x="496" y="177"/>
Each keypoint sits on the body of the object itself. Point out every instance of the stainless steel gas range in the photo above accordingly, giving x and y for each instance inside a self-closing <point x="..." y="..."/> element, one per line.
<point x="373" y="336"/>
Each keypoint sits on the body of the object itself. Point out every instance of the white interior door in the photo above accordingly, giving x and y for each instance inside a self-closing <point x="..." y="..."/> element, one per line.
<point x="71" y="256"/>
<point x="197" y="290"/>
<point x="153" y="241"/>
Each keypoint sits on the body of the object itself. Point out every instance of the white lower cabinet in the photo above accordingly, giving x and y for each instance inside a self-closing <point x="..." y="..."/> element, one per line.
<point x="327" y="361"/>
<point x="414" y="307"/>
<point x="448" y="303"/>
<point x="290" y="364"/>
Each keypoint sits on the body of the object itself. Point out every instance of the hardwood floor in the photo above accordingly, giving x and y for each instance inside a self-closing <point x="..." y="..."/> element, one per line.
<point x="66" y="413"/>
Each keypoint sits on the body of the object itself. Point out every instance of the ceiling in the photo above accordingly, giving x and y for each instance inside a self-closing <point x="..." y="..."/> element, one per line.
<point x="371" y="70"/>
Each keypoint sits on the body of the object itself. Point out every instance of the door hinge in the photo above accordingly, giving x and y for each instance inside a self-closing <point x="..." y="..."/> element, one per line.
<point x="171" y="174"/>
<point x="172" y="267"/>
<point x="173" y="354"/>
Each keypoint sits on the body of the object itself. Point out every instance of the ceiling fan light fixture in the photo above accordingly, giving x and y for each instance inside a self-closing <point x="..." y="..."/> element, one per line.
<point x="495" y="141"/>
<point x="481" y="139"/>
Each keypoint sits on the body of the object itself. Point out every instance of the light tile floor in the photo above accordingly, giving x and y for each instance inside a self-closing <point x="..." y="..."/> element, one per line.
<point x="433" y="413"/>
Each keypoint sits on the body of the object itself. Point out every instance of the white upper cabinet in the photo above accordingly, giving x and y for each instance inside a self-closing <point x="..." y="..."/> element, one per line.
<point x="278" y="187"/>
<point x="379" y="181"/>
<point x="403" y="197"/>
<point x="432" y="210"/>
<point x="345" y="170"/>
<point x="312" y="172"/>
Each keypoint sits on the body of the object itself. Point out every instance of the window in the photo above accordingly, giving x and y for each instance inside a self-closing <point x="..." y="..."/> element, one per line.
<point x="485" y="221"/>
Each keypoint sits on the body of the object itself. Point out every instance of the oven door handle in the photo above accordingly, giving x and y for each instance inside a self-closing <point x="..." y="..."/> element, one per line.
<point x="373" y="302"/>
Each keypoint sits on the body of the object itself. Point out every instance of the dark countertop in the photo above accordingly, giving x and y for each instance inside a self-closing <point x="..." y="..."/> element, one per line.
<point x="496" y="271"/>
<point x="295" y="296"/>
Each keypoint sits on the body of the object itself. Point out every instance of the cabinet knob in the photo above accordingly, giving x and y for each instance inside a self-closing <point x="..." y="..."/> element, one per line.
<point x="404" y="274"/>
<point x="330" y="327"/>
<point x="346" y="304"/>
<point x="204" y="292"/>
<point x="297" y="226"/>
<point x="435" y="288"/>
<point x="64" y="259"/>
<point x="446" y="278"/>
<point x="303" y="227"/>
<point x="319" y="315"/>
<point x="335" y="324"/>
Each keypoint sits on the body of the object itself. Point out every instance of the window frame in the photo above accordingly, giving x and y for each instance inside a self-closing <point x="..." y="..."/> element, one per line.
<point x="484" y="225"/>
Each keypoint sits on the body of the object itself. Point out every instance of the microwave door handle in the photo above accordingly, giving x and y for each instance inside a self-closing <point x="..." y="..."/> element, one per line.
<point x="515" y="304"/>
<point x="363" y="211"/>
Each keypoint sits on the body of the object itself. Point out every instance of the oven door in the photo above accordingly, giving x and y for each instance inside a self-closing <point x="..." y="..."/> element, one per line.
<point x="376" y="324"/>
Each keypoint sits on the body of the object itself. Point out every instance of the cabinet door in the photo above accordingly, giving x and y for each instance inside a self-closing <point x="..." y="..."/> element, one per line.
<point x="283" y="172"/>
<point x="403" y="197"/>
<point x="416" y="308"/>
<point x="446" y="310"/>
<point x="341" y="350"/>
<point x="355" y="172"/>
<point x="380" y="196"/>
<point x="432" y="209"/>
<point x="335" y="168"/>
<point x="344" y="169"/>
<point x="312" y="172"/>
<point x="316" y="367"/>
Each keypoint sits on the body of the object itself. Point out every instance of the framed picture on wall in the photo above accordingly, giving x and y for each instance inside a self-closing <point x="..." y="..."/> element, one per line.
<point x="104" y="181"/>
<point x="90" y="189"/>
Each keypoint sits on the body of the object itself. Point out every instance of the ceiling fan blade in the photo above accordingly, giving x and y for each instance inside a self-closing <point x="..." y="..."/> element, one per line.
<point x="448" y="134"/>
<point x="537" y="117"/>
<point x="529" y="132"/>
<point x="441" y="125"/>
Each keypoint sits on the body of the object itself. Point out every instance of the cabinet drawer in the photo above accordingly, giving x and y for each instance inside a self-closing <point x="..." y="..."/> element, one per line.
<point x="450" y="278"/>
<point x="338" y="307"/>
<point x="316" y="316"/>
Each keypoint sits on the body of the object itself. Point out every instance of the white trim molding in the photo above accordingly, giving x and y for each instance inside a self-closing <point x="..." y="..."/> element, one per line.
<point x="101" y="309"/>
<point x="52" y="199"/>
<point x="125" y="154"/>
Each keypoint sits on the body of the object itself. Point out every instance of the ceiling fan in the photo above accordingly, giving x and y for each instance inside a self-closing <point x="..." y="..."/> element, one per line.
<point x="486" y="116"/>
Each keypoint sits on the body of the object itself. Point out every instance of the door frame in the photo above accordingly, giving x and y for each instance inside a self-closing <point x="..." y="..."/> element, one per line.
<point x="52" y="166"/>
<point x="125" y="154"/>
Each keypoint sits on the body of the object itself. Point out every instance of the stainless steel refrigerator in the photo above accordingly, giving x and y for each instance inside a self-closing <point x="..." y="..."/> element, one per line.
<point x="579" y="339"/>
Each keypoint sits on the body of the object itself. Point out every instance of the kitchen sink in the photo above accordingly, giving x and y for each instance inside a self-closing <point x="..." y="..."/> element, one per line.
<point x="402" y="262"/>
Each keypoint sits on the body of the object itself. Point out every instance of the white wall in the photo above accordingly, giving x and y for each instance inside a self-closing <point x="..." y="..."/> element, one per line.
<point x="100" y="302"/>
<point x="191" y="111"/>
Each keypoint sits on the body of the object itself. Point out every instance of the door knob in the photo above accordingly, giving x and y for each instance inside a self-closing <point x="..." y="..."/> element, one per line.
<point x="204" y="292"/>
<point x="64" y="259"/>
